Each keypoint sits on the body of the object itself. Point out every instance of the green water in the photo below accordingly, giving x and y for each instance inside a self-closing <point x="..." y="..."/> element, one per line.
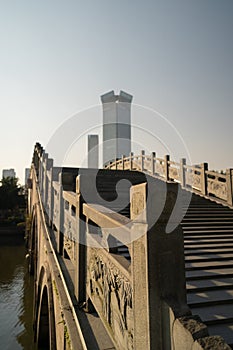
<point x="16" y="299"/>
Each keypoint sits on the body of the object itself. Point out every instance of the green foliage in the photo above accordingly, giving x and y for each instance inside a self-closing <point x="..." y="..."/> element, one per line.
<point x="10" y="198"/>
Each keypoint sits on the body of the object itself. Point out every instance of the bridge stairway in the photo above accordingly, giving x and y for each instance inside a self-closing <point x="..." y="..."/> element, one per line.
<point x="208" y="245"/>
<point x="114" y="187"/>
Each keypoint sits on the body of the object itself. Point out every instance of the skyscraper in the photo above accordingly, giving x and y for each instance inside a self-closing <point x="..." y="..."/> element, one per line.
<point x="116" y="125"/>
<point x="93" y="151"/>
<point x="8" y="173"/>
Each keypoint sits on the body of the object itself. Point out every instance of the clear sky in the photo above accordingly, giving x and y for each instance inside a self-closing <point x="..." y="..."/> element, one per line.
<point x="174" y="56"/>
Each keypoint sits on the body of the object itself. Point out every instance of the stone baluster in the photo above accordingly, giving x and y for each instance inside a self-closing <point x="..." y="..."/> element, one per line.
<point x="229" y="186"/>
<point x="142" y="159"/>
<point x="61" y="217"/>
<point x="182" y="172"/>
<point x="123" y="161"/>
<point x="166" y="167"/>
<point x="153" y="156"/>
<point x="131" y="161"/>
<point x="81" y="247"/>
<point x="204" y="168"/>
<point x="157" y="263"/>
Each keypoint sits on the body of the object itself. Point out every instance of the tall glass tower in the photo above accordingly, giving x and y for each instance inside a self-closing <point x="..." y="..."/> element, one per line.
<point x="116" y="125"/>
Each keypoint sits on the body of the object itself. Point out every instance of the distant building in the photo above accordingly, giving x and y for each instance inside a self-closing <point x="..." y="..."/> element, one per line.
<point x="116" y="125"/>
<point x="8" y="173"/>
<point x="27" y="174"/>
<point x="93" y="151"/>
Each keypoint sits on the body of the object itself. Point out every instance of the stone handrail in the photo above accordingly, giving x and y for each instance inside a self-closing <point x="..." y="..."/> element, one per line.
<point x="128" y="295"/>
<point x="196" y="178"/>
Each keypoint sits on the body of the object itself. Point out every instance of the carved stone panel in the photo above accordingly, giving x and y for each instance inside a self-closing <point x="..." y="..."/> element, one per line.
<point x="70" y="233"/>
<point x="111" y="293"/>
<point x="219" y="189"/>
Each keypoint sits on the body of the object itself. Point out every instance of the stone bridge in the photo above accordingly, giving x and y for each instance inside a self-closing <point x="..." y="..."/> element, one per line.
<point x="111" y="255"/>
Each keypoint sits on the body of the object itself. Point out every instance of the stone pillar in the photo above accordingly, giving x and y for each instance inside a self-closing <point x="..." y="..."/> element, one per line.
<point x="44" y="183"/>
<point x="158" y="271"/>
<point x="50" y="194"/>
<point x="61" y="217"/>
<point x="204" y="168"/>
<point x="81" y="248"/>
<point x="142" y="160"/>
<point x="229" y="186"/>
<point x="131" y="161"/>
<point x="123" y="161"/>
<point x="182" y="172"/>
<point x="139" y="267"/>
<point x="166" y="167"/>
<point x="153" y="156"/>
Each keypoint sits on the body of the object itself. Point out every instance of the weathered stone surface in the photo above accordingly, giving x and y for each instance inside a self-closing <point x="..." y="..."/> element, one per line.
<point x="186" y="330"/>
<point x="211" y="343"/>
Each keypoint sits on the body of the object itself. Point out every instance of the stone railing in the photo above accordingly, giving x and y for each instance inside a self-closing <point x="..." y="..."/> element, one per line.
<point x="131" y="295"/>
<point x="192" y="177"/>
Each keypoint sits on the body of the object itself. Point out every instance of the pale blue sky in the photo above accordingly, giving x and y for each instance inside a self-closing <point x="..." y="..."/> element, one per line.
<point x="174" y="56"/>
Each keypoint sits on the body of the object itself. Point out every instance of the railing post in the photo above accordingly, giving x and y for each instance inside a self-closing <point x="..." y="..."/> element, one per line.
<point x="115" y="163"/>
<point x="142" y="160"/>
<point x="157" y="262"/>
<point x="166" y="167"/>
<point x="81" y="245"/>
<point x="153" y="156"/>
<point x="139" y="268"/>
<point x="131" y="161"/>
<point x="204" y="168"/>
<point x="61" y="217"/>
<point x="49" y="186"/>
<point x="229" y="186"/>
<point x="123" y="161"/>
<point x="182" y="172"/>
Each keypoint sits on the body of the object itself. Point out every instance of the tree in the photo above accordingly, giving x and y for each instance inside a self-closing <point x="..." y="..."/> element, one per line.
<point x="10" y="197"/>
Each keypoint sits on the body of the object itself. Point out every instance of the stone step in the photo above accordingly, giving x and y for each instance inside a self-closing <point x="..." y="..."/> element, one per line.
<point x="217" y="313"/>
<point x="220" y="288"/>
<point x="225" y="330"/>
<point x="202" y="210"/>
<point x="209" y="258"/>
<point x="205" y="243"/>
<point x="211" y="283"/>
<point x="211" y="215"/>
<point x="205" y="228"/>
<point x="208" y="234"/>
<point x="208" y="251"/>
<point x="205" y="265"/>
<point x="209" y="239"/>
<point x="210" y="298"/>
<point x="204" y="221"/>
<point x="209" y="274"/>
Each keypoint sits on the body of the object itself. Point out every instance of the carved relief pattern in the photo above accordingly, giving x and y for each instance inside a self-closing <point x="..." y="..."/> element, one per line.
<point x="137" y="203"/>
<point x="174" y="173"/>
<point x="69" y="234"/>
<point x="147" y="164"/>
<point x="114" y="291"/>
<point x="159" y="168"/>
<point x="56" y="210"/>
<point x="193" y="180"/>
<point x="219" y="189"/>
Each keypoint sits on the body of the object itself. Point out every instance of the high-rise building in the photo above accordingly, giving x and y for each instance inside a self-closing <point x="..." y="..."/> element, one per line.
<point x="8" y="173"/>
<point x="93" y="151"/>
<point x="27" y="174"/>
<point x="116" y="125"/>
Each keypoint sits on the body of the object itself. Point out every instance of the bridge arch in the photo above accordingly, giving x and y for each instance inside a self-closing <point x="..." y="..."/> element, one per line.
<point x="44" y="312"/>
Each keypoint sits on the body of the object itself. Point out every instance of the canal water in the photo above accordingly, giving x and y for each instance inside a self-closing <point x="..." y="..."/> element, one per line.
<point x="16" y="298"/>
